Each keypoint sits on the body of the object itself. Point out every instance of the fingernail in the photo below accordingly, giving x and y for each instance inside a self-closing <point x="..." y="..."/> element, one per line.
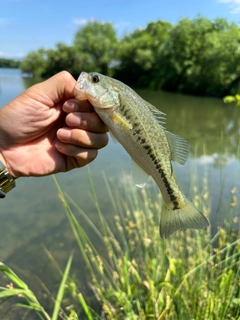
<point x="64" y="134"/>
<point x="73" y="120"/>
<point x="70" y="106"/>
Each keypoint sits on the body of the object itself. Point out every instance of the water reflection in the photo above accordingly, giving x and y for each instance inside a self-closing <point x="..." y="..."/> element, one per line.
<point x="32" y="215"/>
<point x="209" y="125"/>
<point x="11" y="84"/>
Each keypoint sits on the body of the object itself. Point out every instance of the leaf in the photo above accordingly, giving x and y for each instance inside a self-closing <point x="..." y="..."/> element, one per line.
<point x="85" y="306"/>
<point x="12" y="276"/>
<point x="229" y="99"/>
<point x="61" y="290"/>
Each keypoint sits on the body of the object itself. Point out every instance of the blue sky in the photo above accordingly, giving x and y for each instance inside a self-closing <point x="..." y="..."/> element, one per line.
<point x="27" y="25"/>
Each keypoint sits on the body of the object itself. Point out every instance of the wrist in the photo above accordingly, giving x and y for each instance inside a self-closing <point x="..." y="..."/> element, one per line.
<point x="7" y="182"/>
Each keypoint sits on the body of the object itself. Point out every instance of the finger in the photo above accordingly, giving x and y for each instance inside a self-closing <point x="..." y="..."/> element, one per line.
<point x="83" y="156"/>
<point x="88" y="121"/>
<point x="58" y="88"/>
<point x="74" y="105"/>
<point x="82" y="138"/>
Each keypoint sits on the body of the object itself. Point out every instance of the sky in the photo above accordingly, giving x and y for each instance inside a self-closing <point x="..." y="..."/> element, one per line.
<point x="27" y="25"/>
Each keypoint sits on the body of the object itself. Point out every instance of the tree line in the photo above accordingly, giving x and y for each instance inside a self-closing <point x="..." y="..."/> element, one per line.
<point x="9" y="63"/>
<point x="196" y="56"/>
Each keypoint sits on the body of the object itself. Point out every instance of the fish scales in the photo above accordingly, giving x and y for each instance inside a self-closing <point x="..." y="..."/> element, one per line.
<point x="137" y="125"/>
<point x="145" y="142"/>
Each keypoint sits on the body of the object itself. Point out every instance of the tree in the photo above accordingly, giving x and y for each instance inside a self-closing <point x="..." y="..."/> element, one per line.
<point x="9" y="63"/>
<point x="35" y="63"/>
<point x="63" y="57"/>
<point x="95" y="44"/>
<point x="197" y="56"/>
<point x="200" y="56"/>
<point x="138" y="54"/>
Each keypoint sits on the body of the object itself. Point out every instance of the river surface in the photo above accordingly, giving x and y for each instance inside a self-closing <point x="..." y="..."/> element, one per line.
<point x="32" y="217"/>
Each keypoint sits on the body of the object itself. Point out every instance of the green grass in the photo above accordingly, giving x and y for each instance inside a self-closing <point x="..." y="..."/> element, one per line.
<point x="133" y="274"/>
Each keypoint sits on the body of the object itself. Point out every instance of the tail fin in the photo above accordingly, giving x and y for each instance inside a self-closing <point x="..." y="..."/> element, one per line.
<point x="186" y="218"/>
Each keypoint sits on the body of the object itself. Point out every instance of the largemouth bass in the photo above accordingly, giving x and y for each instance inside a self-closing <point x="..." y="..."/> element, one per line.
<point x="138" y="126"/>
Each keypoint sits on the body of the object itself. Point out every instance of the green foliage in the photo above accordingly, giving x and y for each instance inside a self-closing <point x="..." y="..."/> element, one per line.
<point x="201" y="57"/>
<point x="197" y="56"/>
<point x="230" y="99"/>
<point x="96" y="43"/>
<point x="63" y="57"/>
<point x="138" y="54"/>
<point x="135" y="275"/>
<point x="35" y="63"/>
<point x="27" y="298"/>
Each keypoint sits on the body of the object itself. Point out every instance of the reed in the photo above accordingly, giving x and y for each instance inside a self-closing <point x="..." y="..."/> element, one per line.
<point x="136" y="275"/>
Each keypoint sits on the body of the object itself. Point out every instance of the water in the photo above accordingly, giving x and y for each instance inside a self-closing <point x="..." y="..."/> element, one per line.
<point x="32" y="217"/>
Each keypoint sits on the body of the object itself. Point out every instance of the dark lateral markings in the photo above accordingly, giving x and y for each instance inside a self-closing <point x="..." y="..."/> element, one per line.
<point x="173" y="198"/>
<point x="137" y="131"/>
<point x="147" y="147"/>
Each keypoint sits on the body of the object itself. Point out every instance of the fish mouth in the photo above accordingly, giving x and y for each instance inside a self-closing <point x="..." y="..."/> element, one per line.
<point x="82" y="83"/>
<point x="81" y="86"/>
<point x="82" y="89"/>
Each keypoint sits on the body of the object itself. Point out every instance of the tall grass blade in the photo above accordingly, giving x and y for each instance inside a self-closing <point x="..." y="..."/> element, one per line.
<point x="61" y="290"/>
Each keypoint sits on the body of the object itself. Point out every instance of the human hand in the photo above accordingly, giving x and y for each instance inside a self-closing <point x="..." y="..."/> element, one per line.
<point x="44" y="130"/>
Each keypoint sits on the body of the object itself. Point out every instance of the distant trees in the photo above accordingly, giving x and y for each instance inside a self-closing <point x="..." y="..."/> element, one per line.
<point x="139" y="55"/>
<point x="9" y="63"/>
<point x="202" y="57"/>
<point x="35" y="62"/>
<point x="196" y="56"/>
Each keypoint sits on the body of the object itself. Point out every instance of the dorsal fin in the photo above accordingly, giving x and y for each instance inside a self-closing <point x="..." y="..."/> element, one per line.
<point x="179" y="148"/>
<point x="160" y="116"/>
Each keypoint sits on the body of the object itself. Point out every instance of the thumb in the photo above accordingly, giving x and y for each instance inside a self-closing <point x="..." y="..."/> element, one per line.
<point x="59" y="87"/>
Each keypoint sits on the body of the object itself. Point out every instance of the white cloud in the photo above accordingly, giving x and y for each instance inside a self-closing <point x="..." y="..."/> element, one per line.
<point x="233" y="4"/>
<point x="82" y="21"/>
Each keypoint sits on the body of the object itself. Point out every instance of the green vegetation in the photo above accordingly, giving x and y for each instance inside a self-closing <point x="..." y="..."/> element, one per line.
<point x="133" y="274"/>
<point x="196" y="56"/>
<point x="9" y="63"/>
<point x="230" y="99"/>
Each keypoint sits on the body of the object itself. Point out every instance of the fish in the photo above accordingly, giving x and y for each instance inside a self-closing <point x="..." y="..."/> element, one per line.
<point x="139" y="127"/>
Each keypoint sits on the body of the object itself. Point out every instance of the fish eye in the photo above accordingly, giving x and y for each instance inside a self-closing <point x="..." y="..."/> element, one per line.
<point x="95" y="78"/>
